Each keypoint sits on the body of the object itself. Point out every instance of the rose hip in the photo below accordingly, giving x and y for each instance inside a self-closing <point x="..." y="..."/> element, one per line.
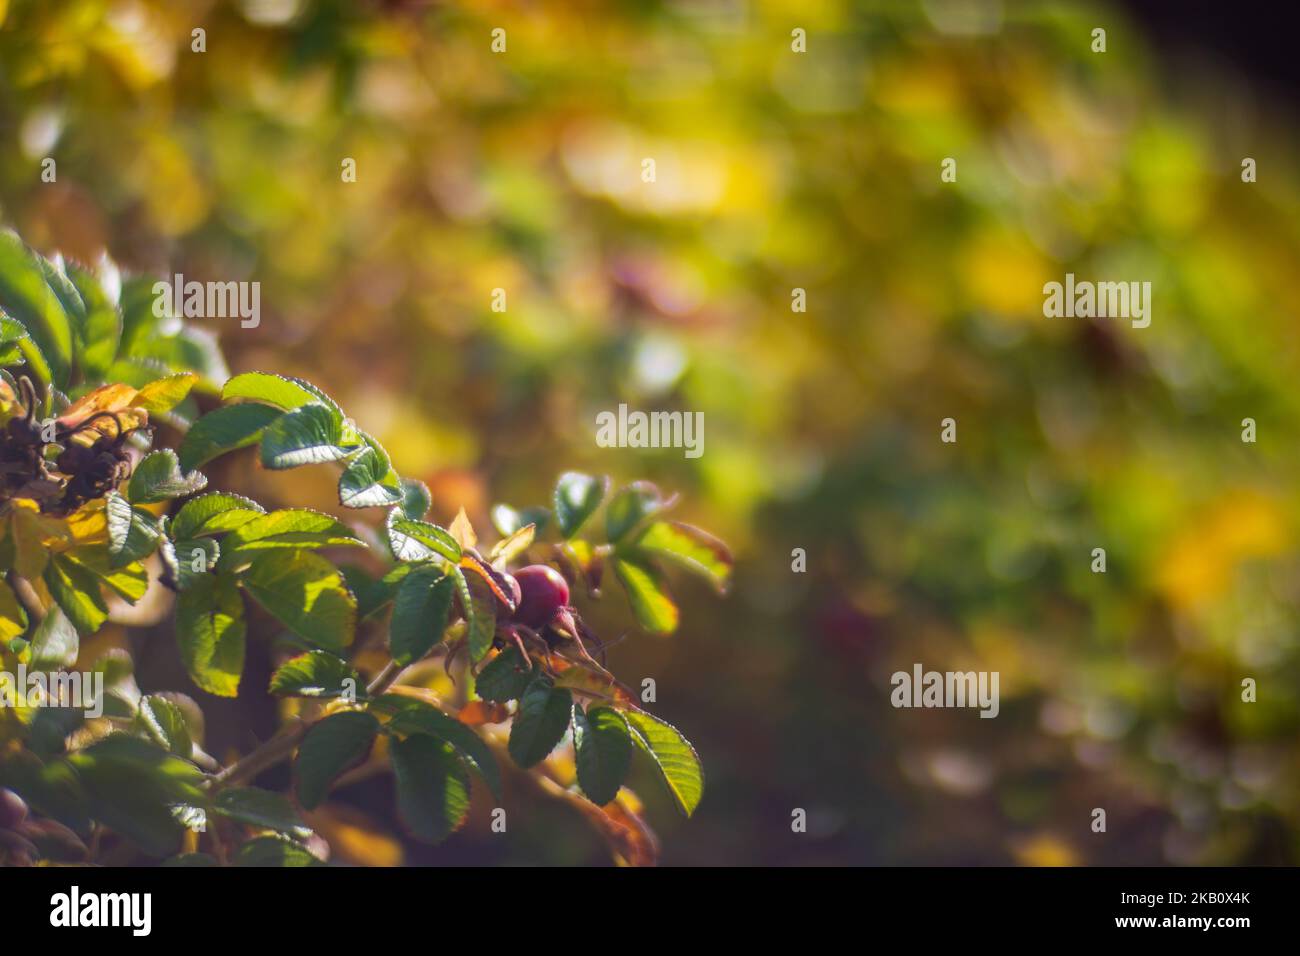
<point x="543" y="592"/>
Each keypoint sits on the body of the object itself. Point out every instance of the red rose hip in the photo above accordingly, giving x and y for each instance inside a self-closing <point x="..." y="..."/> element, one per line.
<point x="543" y="591"/>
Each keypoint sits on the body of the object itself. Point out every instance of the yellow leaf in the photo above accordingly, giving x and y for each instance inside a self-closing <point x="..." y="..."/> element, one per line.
<point x="88" y="524"/>
<point x="165" y="393"/>
<point x="34" y="536"/>
<point x="12" y="614"/>
<point x="115" y="399"/>
<point x="463" y="531"/>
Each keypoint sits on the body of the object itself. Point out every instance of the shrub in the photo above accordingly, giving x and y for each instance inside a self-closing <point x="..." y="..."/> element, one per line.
<point x="94" y="518"/>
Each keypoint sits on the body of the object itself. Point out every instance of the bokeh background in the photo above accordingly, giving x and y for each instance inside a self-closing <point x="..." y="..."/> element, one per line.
<point x="775" y="170"/>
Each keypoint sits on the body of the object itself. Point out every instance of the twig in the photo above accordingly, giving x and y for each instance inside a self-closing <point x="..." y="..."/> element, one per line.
<point x="26" y="595"/>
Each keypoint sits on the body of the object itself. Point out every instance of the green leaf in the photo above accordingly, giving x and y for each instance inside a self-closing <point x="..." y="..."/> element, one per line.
<point x="260" y="808"/>
<point x="101" y="330"/>
<point x="306" y="594"/>
<point x="419" y="614"/>
<point x="191" y="558"/>
<point x="413" y="716"/>
<point x="281" y="391"/>
<point x="317" y="674"/>
<point x="369" y="480"/>
<point x="673" y="755"/>
<point x="577" y="497"/>
<point x="543" y="717"/>
<point x="416" y="500"/>
<point x="291" y="529"/>
<point x="505" y="677"/>
<point x="373" y="594"/>
<point x="630" y="507"/>
<point x="55" y="643"/>
<point x="507" y="520"/>
<point x="213" y="514"/>
<point x="158" y="478"/>
<point x="210" y="632"/>
<point x="56" y="277"/>
<point x="132" y="533"/>
<point x="695" y="550"/>
<point x="274" y="851"/>
<point x="604" y="752"/>
<point x="132" y="786"/>
<point x="223" y="430"/>
<point x="308" y="435"/>
<point x="654" y="609"/>
<point x="432" y="787"/>
<point x="129" y="582"/>
<point x="413" y="540"/>
<point x="76" y="590"/>
<point x="26" y="295"/>
<point x="332" y="746"/>
<point x="480" y="613"/>
<point x="164" y="723"/>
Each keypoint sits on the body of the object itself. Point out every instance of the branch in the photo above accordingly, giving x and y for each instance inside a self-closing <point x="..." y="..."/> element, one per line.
<point x="279" y="746"/>
<point x="26" y="595"/>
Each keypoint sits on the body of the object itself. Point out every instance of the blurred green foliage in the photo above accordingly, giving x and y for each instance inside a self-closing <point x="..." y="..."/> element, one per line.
<point x="775" y="171"/>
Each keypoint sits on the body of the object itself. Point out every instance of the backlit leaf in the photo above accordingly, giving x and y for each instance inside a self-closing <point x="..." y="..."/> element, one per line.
<point x="673" y="755"/>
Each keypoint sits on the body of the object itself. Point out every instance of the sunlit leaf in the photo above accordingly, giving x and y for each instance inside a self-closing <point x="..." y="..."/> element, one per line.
<point x="213" y="514"/>
<point x="158" y="478"/>
<point x="317" y="674"/>
<point x="165" y="393"/>
<point x="224" y="430"/>
<point x="164" y="723"/>
<point x="413" y="540"/>
<point x="278" y="390"/>
<point x="76" y="589"/>
<point x="210" y="633"/>
<point x="55" y="643"/>
<point x="306" y="594"/>
<point x="654" y="609"/>
<point x="673" y="755"/>
<point x="308" y="435"/>
<point x="577" y="497"/>
<point x="697" y="551"/>
<point x="369" y="480"/>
